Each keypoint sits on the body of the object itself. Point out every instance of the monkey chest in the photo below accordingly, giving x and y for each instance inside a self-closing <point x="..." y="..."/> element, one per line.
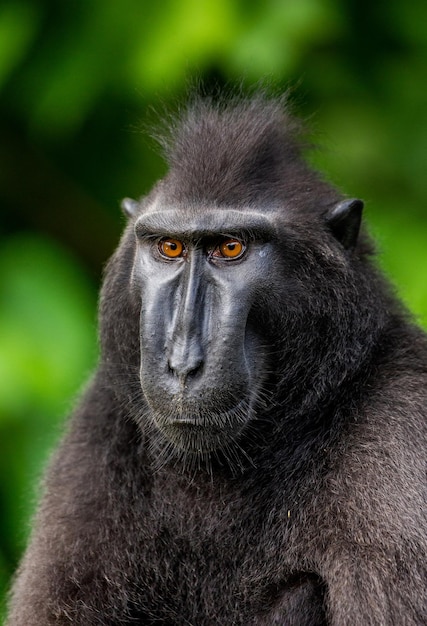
<point x="222" y="573"/>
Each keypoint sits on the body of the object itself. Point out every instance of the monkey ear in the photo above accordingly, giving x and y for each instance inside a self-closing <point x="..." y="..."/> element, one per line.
<point x="129" y="207"/>
<point x="344" y="221"/>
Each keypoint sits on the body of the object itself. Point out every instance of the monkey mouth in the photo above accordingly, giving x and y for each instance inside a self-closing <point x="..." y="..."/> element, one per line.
<point x="200" y="431"/>
<point x="187" y="421"/>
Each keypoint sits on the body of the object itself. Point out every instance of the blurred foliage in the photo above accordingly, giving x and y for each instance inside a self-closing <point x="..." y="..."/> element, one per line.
<point x="78" y="81"/>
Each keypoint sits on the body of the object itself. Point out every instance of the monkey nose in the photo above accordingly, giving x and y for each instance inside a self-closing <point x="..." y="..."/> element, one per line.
<point x="186" y="361"/>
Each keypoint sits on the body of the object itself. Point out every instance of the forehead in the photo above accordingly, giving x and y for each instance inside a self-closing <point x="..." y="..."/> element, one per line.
<point x="204" y="221"/>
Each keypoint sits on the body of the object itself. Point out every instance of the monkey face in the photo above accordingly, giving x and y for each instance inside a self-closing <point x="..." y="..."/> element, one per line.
<point x="202" y="357"/>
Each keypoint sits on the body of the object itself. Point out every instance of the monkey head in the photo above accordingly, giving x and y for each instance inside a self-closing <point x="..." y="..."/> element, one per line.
<point x="235" y="265"/>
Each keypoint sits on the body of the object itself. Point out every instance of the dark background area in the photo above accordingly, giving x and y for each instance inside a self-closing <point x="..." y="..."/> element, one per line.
<point x="79" y="83"/>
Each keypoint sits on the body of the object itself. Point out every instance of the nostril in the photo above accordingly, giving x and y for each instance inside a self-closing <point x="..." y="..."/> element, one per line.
<point x="195" y="370"/>
<point x="171" y="369"/>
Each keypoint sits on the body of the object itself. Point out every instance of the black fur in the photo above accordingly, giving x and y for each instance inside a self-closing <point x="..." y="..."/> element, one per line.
<point x="313" y="509"/>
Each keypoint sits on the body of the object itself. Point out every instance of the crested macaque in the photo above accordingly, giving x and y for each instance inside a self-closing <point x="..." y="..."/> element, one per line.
<point x="251" y="448"/>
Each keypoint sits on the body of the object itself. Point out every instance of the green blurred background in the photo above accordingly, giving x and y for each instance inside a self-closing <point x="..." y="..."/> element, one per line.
<point x="79" y="80"/>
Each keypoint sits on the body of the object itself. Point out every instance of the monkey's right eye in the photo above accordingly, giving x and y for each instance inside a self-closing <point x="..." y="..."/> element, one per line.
<point x="171" y="248"/>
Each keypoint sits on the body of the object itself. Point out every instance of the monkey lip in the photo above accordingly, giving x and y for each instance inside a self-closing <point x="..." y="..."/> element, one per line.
<point x="187" y="421"/>
<point x="196" y="421"/>
<point x="191" y="413"/>
<point x="199" y="435"/>
<point x="208" y="428"/>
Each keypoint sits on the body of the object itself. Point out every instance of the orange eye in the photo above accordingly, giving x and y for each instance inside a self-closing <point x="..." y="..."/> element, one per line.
<point x="231" y="249"/>
<point x="171" y="248"/>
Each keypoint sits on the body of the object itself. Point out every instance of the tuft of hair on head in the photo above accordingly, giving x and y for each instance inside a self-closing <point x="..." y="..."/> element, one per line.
<point x="233" y="150"/>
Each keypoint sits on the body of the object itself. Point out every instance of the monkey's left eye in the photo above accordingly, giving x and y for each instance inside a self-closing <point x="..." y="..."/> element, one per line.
<point x="229" y="249"/>
<point x="171" y="248"/>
